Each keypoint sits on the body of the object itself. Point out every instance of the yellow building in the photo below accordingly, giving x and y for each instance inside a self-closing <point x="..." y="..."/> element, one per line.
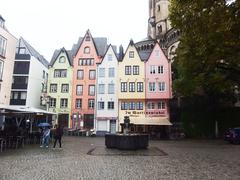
<point x="131" y="91"/>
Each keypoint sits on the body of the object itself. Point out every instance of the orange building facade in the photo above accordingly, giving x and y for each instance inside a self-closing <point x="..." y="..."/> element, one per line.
<point x="87" y="53"/>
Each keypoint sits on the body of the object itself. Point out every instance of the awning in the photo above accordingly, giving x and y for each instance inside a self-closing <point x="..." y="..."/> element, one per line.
<point x="22" y="110"/>
<point x="163" y="121"/>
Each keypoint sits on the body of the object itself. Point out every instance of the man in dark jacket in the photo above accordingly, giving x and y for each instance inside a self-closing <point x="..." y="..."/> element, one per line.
<point x="58" y="135"/>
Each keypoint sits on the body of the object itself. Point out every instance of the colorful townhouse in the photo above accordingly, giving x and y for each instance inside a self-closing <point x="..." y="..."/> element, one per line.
<point x="158" y="91"/>
<point x="106" y="117"/>
<point x="131" y="91"/>
<point x="7" y="54"/>
<point x="87" y="53"/>
<point x="60" y="86"/>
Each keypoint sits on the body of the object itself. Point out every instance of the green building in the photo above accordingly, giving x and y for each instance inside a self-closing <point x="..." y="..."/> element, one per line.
<point x="60" y="86"/>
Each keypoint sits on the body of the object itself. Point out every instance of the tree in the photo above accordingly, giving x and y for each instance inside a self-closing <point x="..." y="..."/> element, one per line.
<point x="208" y="56"/>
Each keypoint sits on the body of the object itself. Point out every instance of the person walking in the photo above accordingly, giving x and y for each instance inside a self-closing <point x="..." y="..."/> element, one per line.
<point x="58" y="136"/>
<point x="46" y="137"/>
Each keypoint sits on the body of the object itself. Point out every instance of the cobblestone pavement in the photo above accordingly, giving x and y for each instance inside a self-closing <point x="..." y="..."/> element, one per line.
<point x="186" y="159"/>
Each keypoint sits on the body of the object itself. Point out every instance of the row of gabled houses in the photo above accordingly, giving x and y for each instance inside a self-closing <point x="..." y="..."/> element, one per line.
<point x="94" y="86"/>
<point x="91" y="86"/>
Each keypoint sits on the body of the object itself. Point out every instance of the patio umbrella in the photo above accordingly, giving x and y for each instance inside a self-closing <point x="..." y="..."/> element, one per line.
<point x="44" y="124"/>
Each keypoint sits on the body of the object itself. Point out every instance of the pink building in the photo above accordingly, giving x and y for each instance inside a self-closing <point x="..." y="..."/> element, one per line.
<point x="87" y="53"/>
<point x="158" y="86"/>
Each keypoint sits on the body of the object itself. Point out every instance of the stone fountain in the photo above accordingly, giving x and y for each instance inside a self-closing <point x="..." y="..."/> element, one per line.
<point x="126" y="140"/>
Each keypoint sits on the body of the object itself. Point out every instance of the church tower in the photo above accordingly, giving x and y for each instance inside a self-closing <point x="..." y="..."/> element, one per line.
<point x="158" y="22"/>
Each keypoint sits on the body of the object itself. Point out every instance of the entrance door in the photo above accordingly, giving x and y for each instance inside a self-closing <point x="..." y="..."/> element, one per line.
<point x="63" y="120"/>
<point x="113" y="126"/>
<point x="88" y="121"/>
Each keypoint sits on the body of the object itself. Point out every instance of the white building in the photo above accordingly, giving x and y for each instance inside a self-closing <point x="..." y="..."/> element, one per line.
<point x="106" y="115"/>
<point x="30" y="76"/>
<point x="7" y="54"/>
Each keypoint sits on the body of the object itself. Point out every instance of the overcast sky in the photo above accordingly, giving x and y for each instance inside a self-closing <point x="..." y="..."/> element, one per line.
<point x="51" y="24"/>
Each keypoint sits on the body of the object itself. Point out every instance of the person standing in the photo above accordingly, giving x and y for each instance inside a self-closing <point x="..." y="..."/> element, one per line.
<point x="58" y="136"/>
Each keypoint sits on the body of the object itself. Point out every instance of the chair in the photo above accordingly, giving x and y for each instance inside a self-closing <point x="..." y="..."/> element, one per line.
<point x="3" y="144"/>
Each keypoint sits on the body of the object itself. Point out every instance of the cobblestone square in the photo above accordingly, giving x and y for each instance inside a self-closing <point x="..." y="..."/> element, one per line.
<point x="186" y="159"/>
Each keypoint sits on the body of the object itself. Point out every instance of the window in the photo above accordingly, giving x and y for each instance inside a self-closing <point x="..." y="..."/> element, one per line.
<point x="110" y="88"/>
<point x="124" y="106"/>
<point x="139" y="87"/>
<point x="162" y="86"/>
<point x="111" y="72"/>
<point x="1" y="69"/>
<point x="158" y="8"/>
<point x="86" y="62"/>
<point x="135" y="70"/>
<point x="62" y="59"/>
<point x="14" y="95"/>
<point x="123" y="86"/>
<point x="43" y="76"/>
<point x="101" y="89"/>
<point x="131" y="54"/>
<point x="63" y="103"/>
<point x="100" y="105"/>
<point x="65" y="88"/>
<point x="152" y="69"/>
<point x="101" y="72"/>
<point x="80" y="74"/>
<point x="52" y="102"/>
<point x="161" y="105"/>
<point x="139" y="106"/>
<point x="110" y="57"/>
<point x="152" y="86"/>
<point x="110" y="105"/>
<point x="92" y="74"/>
<point x="91" y="103"/>
<point x="160" y="69"/>
<point x="91" y="90"/>
<point x="127" y="70"/>
<point x="79" y="90"/>
<point x="53" y="88"/>
<point x="151" y="105"/>
<point x="132" y="87"/>
<point x="3" y="43"/>
<point x="87" y="37"/>
<point x="23" y="95"/>
<point x="60" y="73"/>
<point x="157" y="53"/>
<point x="132" y="106"/>
<point x="78" y="103"/>
<point x="87" y="50"/>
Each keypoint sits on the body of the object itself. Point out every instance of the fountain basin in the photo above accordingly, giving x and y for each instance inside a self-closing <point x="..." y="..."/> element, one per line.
<point x="127" y="141"/>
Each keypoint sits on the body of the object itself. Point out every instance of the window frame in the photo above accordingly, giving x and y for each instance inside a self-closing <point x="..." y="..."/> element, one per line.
<point x="124" y="86"/>
<point x="81" y="92"/>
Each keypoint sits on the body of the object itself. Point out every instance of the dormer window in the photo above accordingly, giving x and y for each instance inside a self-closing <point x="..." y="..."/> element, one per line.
<point x="131" y="54"/>
<point x="62" y="59"/>
<point x="86" y="50"/>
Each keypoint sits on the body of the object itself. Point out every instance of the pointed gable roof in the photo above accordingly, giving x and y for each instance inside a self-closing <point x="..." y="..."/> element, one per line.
<point x="161" y="51"/>
<point x="114" y="51"/>
<point x="34" y="53"/>
<point x="131" y="43"/>
<point x="57" y="53"/>
<point x="100" y="44"/>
